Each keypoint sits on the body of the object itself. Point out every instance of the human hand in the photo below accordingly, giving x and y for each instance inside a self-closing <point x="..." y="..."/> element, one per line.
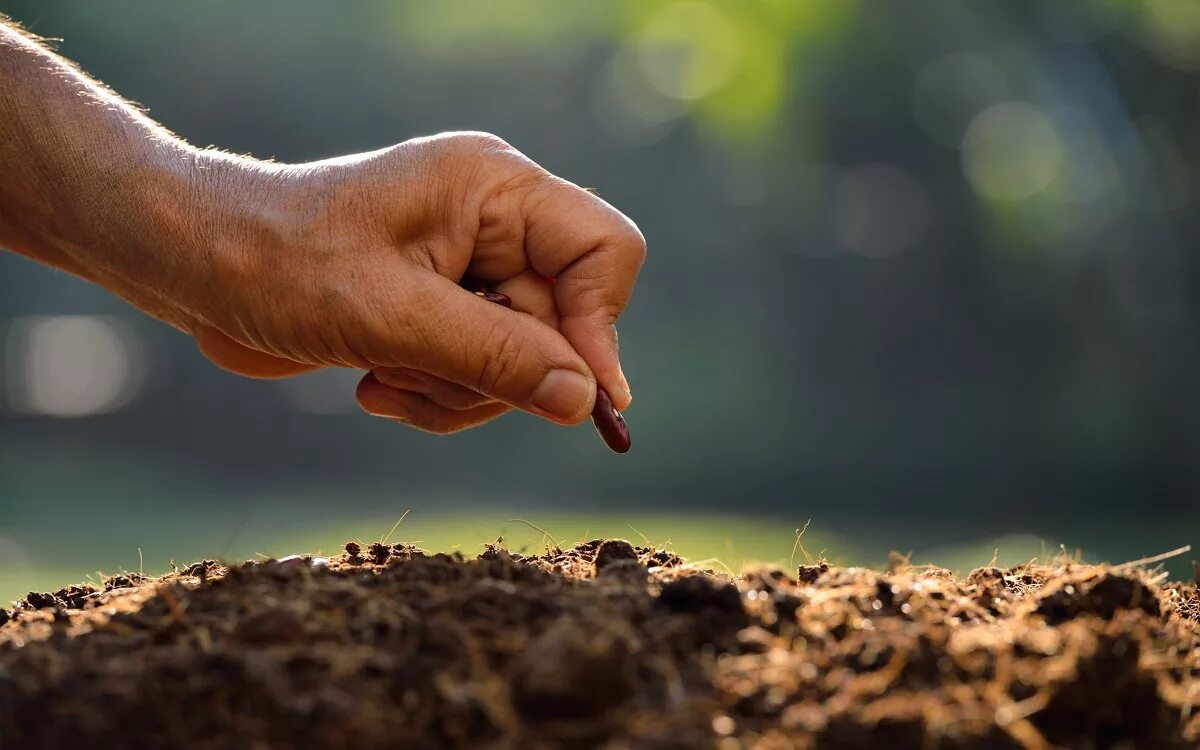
<point x="350" y="262"/>
<point x="356" y="262"/>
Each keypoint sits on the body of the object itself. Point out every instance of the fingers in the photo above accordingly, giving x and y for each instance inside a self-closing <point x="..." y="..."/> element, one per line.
<point x="237" y="358"/>
<point x="528" y="293"/>
<point x="441" y="392"/>
<point x="506" y="355"/>
<point x="417" y="410"/>
<point x="595" y="253"/>
<point x="532" y="293"/>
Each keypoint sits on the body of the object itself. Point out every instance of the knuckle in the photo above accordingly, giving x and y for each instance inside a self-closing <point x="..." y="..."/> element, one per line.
<point x="596" y="296"/>
<point x="609" y="312"/>
<point x="484" y="141"/>
<point x="629" y="242"/>
<point x="636" y="243"/>
<point x="469" y="141"/>
<point x="453" y="159"/>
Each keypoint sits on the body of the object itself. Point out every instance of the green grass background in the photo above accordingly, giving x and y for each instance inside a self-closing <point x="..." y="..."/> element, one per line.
<point x="43" y="551"/>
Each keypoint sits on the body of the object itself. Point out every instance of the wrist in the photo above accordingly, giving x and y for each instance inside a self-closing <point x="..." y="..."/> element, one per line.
<point x="154" y="218"/>
<point x="199" y="233"/>
<point x="219" y="219"/>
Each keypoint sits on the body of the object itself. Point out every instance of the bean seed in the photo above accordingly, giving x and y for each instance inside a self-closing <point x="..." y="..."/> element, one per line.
<point x="497" y="297"/>
<point x="609" y="422"/>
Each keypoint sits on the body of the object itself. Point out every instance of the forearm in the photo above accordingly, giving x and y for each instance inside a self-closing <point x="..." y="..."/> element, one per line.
<point x="91" y="185"/>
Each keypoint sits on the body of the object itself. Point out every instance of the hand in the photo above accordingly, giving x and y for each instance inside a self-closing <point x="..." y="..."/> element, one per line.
<point x="355" y="262"/>
<point x="351" y="262"/>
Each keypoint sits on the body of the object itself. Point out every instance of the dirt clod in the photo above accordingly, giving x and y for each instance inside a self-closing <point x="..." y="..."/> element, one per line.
<point x="574" y="669"/>
<point x="606" y="645"/>
<point x="123" y="581"/>
<point x="379" y="553"/>
<point x="810" y="573"/>
<point x="40" y="601"/>
<point x="612" y="551"/>
<point x="697" y="593"/>
<point x="1102" y="593"/>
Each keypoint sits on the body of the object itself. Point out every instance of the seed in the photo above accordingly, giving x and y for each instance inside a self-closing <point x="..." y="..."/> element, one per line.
<point x="609" y="423"/>
<point x="479" y="289"/>
<point x="497" y="297"/>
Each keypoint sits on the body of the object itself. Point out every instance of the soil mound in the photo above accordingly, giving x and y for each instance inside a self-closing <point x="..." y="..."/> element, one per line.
<point x="607" y="644"/>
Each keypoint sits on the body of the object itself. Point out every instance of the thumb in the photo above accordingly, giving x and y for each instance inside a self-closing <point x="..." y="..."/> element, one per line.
<point x="506" y="355"/>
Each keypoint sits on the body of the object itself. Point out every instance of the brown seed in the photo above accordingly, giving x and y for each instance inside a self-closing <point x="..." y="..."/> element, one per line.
<point x="497" y="297"/>
<point x="609" y="423"/>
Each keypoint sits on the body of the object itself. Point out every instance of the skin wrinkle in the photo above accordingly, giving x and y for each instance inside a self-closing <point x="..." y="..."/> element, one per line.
<point x="417" y="338"/>
<point x="573" y="286"/>
<point x="443" y="234"/>
<point x="508" y="349"/>
<point x="442" y="320"/>
<point x="331" y="341"/>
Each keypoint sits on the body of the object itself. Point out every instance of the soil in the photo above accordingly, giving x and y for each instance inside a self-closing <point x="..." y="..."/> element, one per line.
<point x="606" y="644"/>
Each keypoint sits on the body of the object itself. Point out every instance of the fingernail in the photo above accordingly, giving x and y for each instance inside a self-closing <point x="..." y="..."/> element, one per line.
<point x="626" y="393"/>
<point x="563" y="393"/>
<point x="388" y="408"/>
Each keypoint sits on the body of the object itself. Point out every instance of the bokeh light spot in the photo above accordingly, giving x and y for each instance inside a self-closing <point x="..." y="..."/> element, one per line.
<point x="688" y="50"/>
<point x="72" y="365"/>
<point x="1011" y="152"/>
<point x="1172" y="29"/>
<point x="629" y="107"/>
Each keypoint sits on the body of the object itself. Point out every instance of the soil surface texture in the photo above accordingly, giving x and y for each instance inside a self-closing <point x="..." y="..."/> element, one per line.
<point x="606" y="645"/>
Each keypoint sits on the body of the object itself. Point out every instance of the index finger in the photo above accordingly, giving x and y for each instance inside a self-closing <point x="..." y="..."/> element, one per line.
<point x="595" y="253"/>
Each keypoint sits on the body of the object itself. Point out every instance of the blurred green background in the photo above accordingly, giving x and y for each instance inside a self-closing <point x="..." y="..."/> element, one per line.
<point x="925" y="273"/>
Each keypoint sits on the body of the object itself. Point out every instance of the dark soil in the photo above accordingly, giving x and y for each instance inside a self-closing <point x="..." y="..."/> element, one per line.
<point x="604" y="645"/>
